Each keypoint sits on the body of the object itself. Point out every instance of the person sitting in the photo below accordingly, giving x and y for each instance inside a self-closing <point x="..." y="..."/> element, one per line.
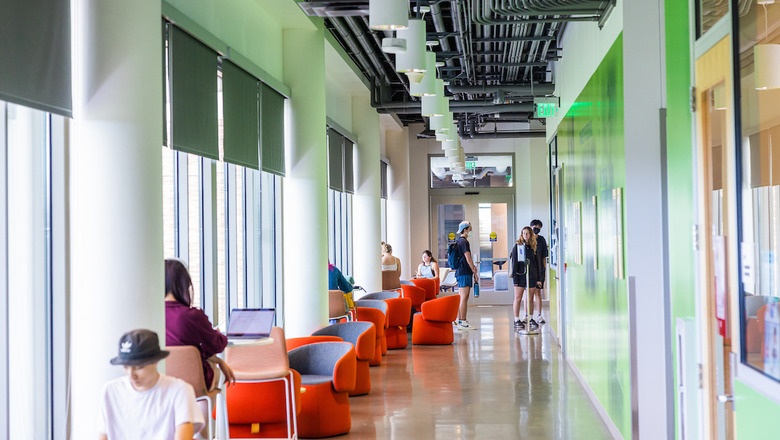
<point x="429" y="268"/>
<point x="187" y="325"/>
<point x="336" y="280"/>
<point x="144" y="404"/>
<point x="391" y="269"/>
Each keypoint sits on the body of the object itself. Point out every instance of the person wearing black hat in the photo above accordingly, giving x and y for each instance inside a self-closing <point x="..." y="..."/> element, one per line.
<point x="144" y="404"/>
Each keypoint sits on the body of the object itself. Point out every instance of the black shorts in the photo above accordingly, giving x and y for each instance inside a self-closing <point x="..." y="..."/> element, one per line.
<point x="519" y="281"/>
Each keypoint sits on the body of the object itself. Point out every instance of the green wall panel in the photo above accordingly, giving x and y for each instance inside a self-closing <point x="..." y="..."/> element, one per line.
<point x="679" y="144"/>
<point x="591" y="148"/>
<point x="756" y="415"/>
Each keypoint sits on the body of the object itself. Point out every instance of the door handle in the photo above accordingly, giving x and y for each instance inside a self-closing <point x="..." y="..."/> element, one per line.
<point x="723" y="398"/>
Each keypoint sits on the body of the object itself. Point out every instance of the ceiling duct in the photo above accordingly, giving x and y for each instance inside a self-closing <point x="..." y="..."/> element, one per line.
<point x="335" y="8"/>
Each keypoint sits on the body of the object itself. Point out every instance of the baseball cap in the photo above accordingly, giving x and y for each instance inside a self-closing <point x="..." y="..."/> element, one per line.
<point x="139" y="347"/>
<point x="463" y="225"/>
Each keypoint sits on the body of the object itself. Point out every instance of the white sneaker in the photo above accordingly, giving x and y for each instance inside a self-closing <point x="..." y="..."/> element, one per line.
<point x="464" y="325"/>
<point x="540" y="319"/>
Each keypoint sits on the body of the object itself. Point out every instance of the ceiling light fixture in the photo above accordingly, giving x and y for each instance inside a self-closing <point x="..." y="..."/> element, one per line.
<point x="433" y="105"/>
<point x="413" y="61"/>
<point x="388" y="15"/>
<point x="426" y="86"/>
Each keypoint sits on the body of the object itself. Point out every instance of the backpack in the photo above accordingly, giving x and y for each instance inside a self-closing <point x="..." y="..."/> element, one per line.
<point x="454" y="255"/>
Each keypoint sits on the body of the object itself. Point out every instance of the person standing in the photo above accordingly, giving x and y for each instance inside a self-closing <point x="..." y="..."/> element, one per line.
<point x="542" y="251"/>
<point x="144" y="404"/>
<point x="535" y="277"/>
<point x="465" y="273"/>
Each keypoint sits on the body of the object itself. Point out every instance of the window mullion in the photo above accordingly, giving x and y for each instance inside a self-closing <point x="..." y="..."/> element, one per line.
<point x="231" y="240"/>
<point x="208" y="238"/>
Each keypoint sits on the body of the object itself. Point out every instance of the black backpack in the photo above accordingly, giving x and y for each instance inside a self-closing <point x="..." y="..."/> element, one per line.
<point x="454" y="255"/>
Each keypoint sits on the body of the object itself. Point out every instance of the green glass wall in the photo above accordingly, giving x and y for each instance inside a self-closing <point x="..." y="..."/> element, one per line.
<point x="591" y="149"/>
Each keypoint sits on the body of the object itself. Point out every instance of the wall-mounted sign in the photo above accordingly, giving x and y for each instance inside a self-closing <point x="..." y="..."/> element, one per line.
<point x="451" y="237"/>
<point x="493" y="236"/>
<point x="471" y="164"/>
<point x="546" y="110"/>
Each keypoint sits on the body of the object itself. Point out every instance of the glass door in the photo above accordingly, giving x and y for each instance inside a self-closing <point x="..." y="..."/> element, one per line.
<point x="492" y="223"/>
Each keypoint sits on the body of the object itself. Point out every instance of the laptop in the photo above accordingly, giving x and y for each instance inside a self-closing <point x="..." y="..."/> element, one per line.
<point x="250" y="323"/>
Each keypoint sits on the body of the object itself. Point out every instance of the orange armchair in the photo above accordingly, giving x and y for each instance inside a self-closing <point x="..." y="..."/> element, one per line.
<point x="362" y="335"/>
<point x="327" y="375"/>
<point x="399" y="311"/>
<point x="429" y="284"/>
<point x="374" y="311"/>
<point x="415" y="294"/>
<point x="433" y="325"/>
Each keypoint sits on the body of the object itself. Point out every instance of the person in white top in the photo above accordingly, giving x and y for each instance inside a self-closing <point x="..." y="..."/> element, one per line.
<point x="390" y="262"/>
<point x="144" y="404"/>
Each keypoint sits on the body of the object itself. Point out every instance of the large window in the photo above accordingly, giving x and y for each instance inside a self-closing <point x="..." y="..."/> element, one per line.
<point x="31" y="404"/>
<point x="221" y="212"/>
<point x="341" y="174"/>
<point x="759" y="88"/>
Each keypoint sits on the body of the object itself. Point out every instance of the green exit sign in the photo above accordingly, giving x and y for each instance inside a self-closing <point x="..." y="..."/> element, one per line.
<point x="471" y="164"/>
<point x="546" y="109"/>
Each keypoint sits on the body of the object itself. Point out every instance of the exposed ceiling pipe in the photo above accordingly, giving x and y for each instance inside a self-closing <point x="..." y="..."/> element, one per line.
<point x="460" y="41"/>
<point x="465" y="107"/>
<point x="438" y="24"/>
<point x="353" y="46"/>
<point x="367" y="46"/>
<point x="538" y="89"/>
<point x="388" y="61"/>
<point x="510" y="135"/>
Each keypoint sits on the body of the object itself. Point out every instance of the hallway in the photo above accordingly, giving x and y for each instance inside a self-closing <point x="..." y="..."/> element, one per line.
<point x="490" y="383"/>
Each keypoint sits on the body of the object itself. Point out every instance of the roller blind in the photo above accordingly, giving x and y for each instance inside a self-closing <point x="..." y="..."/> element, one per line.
<point x="241" y="115"/>
<point x="35" y="62"/>
<point x="349" y="169"/>
<point x="272" y="129"/>
<point x="193" y="80"/>
<point x="383" y="178"/>
<point x="335" y="160"/>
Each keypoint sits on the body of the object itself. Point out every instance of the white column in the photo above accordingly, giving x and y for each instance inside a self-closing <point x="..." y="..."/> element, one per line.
<point x="643" y="76"/>
<point x="365" y="207"/>
<point x="305" y="185"/>
<point x="398" y="203"/>
<point x="115" y="194"/>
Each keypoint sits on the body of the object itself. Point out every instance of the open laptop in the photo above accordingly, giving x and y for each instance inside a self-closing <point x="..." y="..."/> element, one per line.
<point x="250" y="323"/>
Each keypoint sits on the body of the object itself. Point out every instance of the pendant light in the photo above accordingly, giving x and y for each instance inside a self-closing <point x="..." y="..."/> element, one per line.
<point x="426" y="86"/>
<point x="412" y="62"/>
<point x="766" y="59"/>
<point x="433" y="105"/>
<point x="388" y="15"/>
<point x="443" y="121"/>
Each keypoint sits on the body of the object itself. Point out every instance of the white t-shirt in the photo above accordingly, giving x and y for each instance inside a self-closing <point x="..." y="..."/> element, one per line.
<point x="153" y="414"/>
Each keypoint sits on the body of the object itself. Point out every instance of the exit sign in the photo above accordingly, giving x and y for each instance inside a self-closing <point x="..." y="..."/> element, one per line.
<point x="471" y="164"/>
<point x="546" y="109"/>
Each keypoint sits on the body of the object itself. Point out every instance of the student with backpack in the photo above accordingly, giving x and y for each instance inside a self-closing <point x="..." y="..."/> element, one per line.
<point x="459" y="259"/>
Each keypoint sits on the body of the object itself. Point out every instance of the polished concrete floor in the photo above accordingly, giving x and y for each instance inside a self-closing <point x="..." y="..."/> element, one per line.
<point x="491" y="383"/>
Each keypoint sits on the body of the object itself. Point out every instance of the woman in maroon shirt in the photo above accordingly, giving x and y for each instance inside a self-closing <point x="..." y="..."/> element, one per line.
<point x="186" y="325"/>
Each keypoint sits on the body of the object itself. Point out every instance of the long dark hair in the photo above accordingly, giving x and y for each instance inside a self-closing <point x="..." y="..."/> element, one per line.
<point x="178" y="281"/>
<point x="428" y="253"/>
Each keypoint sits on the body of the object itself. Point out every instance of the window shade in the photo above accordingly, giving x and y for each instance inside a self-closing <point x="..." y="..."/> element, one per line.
<point x="349" y="169"/>
<point x="193" y="80"/>
<point x="335" y="160"/>
<point x="272" y="129"/>
<point x="35" y="62"/>
<point x="241" y="114"/>
<point x="383" y="177"/>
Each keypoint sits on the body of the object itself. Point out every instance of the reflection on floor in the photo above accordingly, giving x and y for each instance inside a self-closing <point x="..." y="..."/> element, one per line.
<point x="491" y="383"/>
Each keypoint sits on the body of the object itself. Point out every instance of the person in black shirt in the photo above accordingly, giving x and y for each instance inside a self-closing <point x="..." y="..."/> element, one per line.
<point x="542" y="251"/>
<point x="465" y="273"/>
<point x="519" y="270"/>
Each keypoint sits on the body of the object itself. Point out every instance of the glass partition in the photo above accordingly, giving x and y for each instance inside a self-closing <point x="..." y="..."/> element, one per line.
<point x="483" y="171"/>
<point x="759" y="89"/>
